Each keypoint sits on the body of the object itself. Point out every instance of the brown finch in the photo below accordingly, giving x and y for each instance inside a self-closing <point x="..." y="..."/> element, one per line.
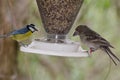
<point x="94" y="41"/>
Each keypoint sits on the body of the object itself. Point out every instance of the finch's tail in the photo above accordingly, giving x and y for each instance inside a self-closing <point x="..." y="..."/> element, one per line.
<point x="111" y="54"/>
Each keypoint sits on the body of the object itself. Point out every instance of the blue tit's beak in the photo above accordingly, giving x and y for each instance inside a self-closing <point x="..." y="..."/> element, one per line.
<point x="36" y="29"/>
<point x="75" y="33"/>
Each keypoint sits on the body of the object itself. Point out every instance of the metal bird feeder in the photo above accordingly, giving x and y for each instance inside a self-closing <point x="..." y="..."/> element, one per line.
<point x="58" y="17"/>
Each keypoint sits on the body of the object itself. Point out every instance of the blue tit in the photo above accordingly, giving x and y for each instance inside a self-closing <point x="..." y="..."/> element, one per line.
<point x="23" y="33"/>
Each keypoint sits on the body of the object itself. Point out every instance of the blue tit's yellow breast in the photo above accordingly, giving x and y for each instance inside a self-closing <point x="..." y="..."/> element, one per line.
<point x="22" y="37"/>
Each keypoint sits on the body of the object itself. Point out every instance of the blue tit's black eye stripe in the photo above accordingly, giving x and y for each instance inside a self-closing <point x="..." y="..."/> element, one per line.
<point x="28" y="27"/>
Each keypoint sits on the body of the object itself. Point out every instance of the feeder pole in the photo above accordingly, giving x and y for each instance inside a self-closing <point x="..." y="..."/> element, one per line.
<point x="8" y="47"/>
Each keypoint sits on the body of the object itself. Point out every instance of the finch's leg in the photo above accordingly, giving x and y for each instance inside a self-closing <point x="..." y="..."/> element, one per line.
<point x="91" y="50"/>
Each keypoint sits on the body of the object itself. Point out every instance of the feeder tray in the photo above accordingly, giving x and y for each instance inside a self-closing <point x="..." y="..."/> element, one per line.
<point x="57" y="17"/>
<point x="68" y="49"/>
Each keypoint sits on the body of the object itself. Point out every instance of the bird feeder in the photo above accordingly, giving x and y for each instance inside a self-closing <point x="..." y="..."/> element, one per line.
<point x="57" y="17"/>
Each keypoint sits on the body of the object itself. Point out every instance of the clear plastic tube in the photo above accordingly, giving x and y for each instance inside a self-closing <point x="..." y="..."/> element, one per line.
<point x="58" y="16"/>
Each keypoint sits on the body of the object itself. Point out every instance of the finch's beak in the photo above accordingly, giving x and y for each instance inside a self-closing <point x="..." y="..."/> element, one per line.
<point x="75" y="33"/>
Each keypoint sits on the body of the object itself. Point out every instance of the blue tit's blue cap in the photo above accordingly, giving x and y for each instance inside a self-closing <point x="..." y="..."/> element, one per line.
<point x="32" y="24"/>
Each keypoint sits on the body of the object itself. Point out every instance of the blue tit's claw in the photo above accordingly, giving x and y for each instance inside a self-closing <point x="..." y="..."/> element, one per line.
<point x="22" y="44"/>
<point x="25" y="45"/>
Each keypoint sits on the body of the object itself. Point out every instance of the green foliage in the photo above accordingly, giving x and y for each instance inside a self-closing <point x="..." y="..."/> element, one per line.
<point x="101" y="4"/>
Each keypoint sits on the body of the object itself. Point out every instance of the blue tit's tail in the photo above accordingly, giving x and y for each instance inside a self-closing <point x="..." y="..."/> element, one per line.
<point x="5" y="36"/>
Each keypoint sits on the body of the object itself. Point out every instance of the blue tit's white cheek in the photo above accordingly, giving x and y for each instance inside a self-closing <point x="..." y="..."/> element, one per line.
<point x="31" y="29"/>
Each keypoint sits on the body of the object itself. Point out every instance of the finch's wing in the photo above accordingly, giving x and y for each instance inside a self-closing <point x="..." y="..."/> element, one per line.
<point x="97" y="39"/>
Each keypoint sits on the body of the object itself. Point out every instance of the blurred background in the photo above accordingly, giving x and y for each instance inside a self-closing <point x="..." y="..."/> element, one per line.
<point x="103" y="16"/>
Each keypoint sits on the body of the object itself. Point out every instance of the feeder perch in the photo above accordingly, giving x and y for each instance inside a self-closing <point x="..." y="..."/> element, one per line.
<point x="57" y="17"/>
